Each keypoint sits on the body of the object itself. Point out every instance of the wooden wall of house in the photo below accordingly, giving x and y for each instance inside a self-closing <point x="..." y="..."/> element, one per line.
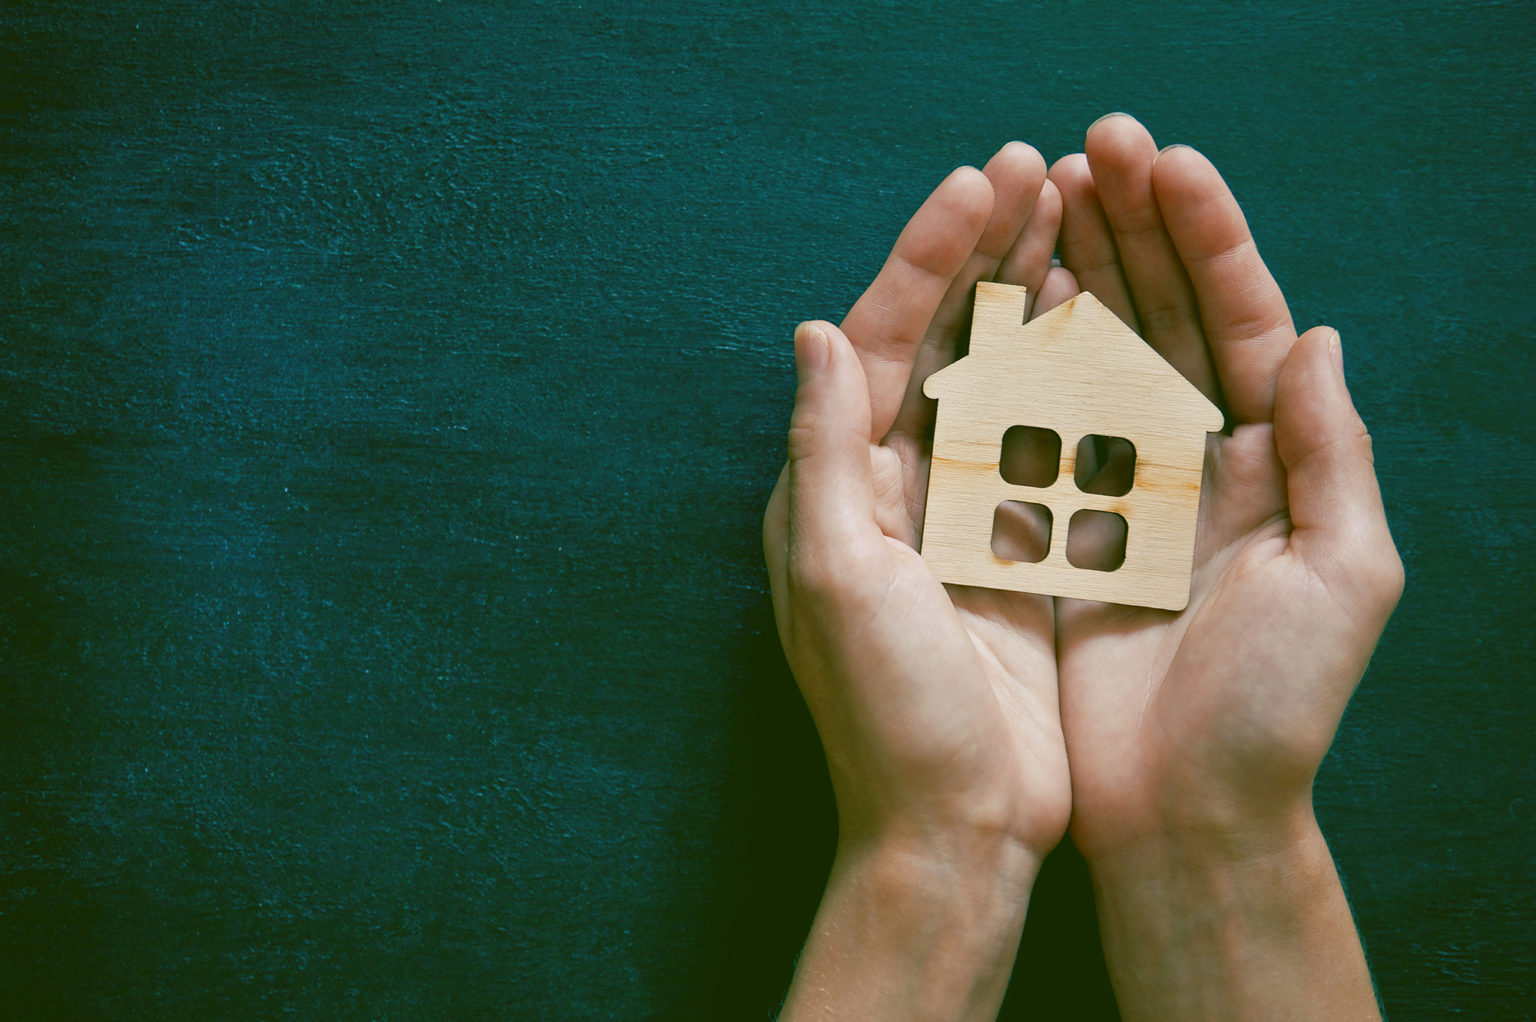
<point x="389" y="392"/>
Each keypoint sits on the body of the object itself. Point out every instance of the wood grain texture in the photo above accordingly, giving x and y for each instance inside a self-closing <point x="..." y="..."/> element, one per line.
<point x="1079" y="372"/>
<point x="388" y="397"/>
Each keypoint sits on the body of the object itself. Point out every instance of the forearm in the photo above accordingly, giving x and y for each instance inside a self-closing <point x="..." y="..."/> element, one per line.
<point x="1254" y="928"/>
<point x="907" y="933"/>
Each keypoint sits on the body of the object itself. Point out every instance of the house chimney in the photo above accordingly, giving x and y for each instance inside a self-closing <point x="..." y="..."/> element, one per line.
<point x="998" y="315"/>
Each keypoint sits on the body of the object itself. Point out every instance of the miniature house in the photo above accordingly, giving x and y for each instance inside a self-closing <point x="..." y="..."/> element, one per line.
<point x="1073" y="377"/>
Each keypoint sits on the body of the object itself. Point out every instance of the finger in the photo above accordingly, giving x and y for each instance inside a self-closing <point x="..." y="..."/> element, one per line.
<point x="1120" y="156"/>
<point x="1016" y="174"/>
<point x="831" y="510"/>
<point x="1339" y="526"/>
<point x="1059" y="286"/>
<point x="1021" y="531"/>
<point x="1246" y="321"/>
<point x="1087" y="245"/>
<point x="889" y="321"/>
<point x="1028" y="262"/>
<point x="1104" y="465"/>
<point x="1096" y="540"/>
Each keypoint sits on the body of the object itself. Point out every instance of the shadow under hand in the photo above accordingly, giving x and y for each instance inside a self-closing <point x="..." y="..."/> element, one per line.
<point x="1060" y="971"/>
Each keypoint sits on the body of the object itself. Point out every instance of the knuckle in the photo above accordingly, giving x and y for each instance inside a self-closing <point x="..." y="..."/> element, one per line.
<point x="802" y="437"/>
<point x="1164" y="319"/>
<point x="1139" y="221"/>
<point x="1390" y="577"/>
<point x="1379" y="576"/>
<point x="1367" y="449"/>
<point x="840" y="570"/>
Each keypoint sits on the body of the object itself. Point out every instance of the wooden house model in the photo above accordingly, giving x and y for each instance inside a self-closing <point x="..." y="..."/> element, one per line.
<point x="1080" y="375"/>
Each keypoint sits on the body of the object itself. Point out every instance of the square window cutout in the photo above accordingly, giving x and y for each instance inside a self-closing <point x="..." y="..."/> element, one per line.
<point x="1105" y="465"/>
<point x="1095" y="540"/>
<point x="1021" y="531"/>
<point x="1031" y="456"/>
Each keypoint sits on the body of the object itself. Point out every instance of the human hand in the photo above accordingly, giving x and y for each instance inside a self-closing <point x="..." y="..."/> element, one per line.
<point x="937" y="708"/>
<point x="1194" y="737"/>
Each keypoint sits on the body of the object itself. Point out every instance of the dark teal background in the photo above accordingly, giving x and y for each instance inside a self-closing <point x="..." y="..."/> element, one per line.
<point x="389" y="392"/>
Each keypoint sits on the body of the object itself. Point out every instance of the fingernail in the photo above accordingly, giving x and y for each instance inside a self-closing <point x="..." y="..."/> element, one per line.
<point x="1336" y="350"/>
<point x="1169" y="148"/>
<point x="811" y="350"/>
<point x="1113" y="113"/>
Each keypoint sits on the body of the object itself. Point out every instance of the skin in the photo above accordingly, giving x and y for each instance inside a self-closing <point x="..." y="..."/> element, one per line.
<point x="937" y="708"/>
<point x="964" y="728"/>
<point x="1195" y="737"/>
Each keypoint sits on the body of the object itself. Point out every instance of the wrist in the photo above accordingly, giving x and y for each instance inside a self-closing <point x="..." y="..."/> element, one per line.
<point x="1201" y="837"/>
<point x="964" y="892"/>
<point x="931" y="850"/>
<point x="1180" y="874"/>
<point x="916" y="926"/>
<point x="1204" y="868"/>
<point x="1220" y="922"/>
<point x="1191" y="810"/>
<point x="1011" y="818"/>
<point x="968" y="871"/>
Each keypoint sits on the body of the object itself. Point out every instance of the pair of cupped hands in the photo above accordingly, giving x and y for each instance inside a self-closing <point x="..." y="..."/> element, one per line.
<point x="970" y="727"/>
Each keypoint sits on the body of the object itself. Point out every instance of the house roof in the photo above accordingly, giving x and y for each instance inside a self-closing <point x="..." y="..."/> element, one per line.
<point x="1079" y="349"/>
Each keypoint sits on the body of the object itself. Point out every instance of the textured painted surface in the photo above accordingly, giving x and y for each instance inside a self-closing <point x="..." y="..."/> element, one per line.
<point x="382" y="628"/>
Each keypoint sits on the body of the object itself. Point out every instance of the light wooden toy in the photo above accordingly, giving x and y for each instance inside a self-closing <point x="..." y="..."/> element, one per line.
<point x="1078" y="371"/>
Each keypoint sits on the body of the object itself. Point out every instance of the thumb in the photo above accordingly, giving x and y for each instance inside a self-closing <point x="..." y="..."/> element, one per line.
<point x="1339" y="525"/>
<point x="831" y="494"/>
